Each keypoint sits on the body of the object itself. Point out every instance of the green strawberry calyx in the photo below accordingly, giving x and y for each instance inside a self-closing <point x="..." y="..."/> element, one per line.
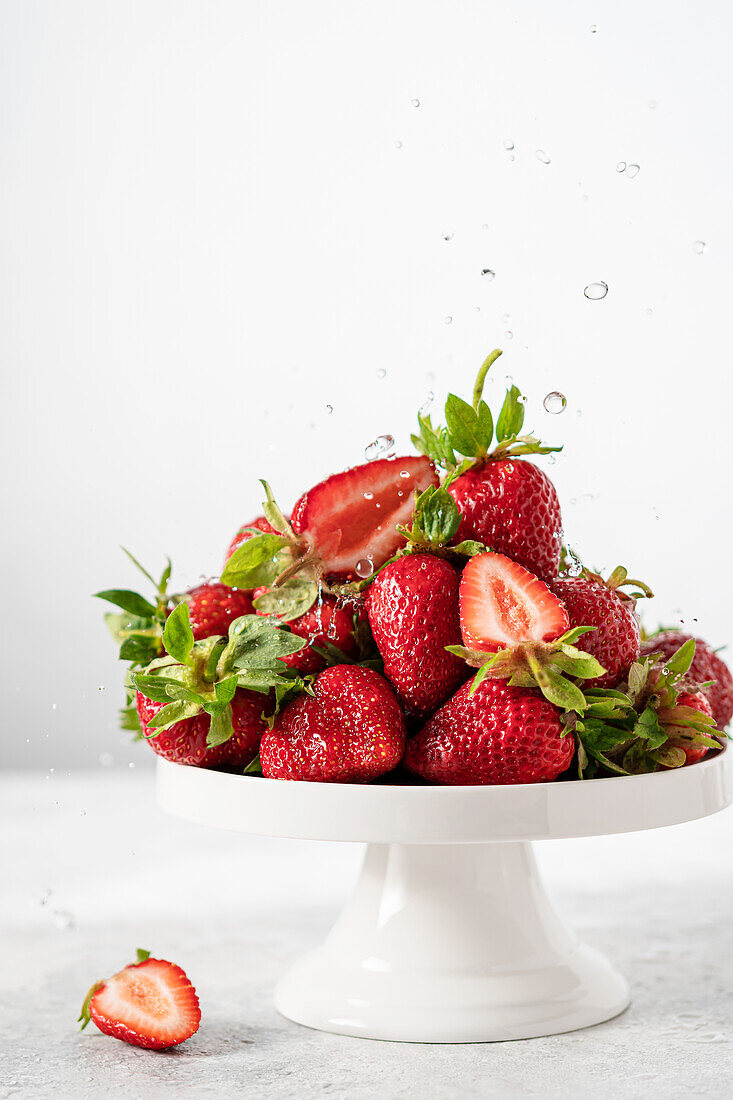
<point x="204" y="676"/>
<point x="470" y="429"/>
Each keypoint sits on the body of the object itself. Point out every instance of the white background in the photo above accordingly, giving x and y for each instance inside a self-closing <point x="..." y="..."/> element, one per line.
<point x="209" y="232"/>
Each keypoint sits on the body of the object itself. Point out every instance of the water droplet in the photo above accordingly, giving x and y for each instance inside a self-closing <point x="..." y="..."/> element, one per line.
<point x="652" y="104"/>
<point x="448" y="320"/>
<point x="594" y="28"/>
<point x="430" y="376"/>
<point x="82" y="813"/>
<point x="378" y="448"/>
<point x="509" y="145"/>
<point x="488" y="274"/>
<point x="364" y="568"/>
<point x="485" y="225"/>
<point x="648" y="311"/>
<point x="448" y="235"/>
<point x="54" y="706"/>
<point x="381" y="373"/>
<point x="423" y="409"/>
<point x="554" y="402"/>
<point x="415" y="102"/>
<point x="621" y="166"/>
<point x="368" y="495"/>
<point x="106" y="759"/>
<point x="45" y="896"/>
<point x="508" y="335"/>
<point x="511" y="156"/>
<point x="699" y="247"/>
<point x="101" y="687"/>
<point x="63" y="919"/>
<point x="398" y="145"/>
<point x="632" y="171"/>
<point x="596" y="291"/>
<point x="551" y="459"/>
<point x="542" y="156"/>
<point x="506" y="317"/>
<point x="131" y="764"/>
<point x="406" y="473"/>
<point x="329" y="409"/>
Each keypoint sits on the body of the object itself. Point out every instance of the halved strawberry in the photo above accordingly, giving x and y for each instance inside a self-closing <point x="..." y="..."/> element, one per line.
<point x="150" y="1003"/>
<point x="354" y="515"/>
<point x="503" y="604"/>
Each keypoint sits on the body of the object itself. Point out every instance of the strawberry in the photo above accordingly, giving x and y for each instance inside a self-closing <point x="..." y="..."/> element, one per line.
<point x="350" y="730"/>
<point x="495" y="734"/>
<point x="503" y="604"/>
<point x="591" y="601"/>
<point x="353" y="516"/>
<point x="329" y="623"/>
<point x="214" y="606"/>
<point x="203" y="703"/>
<point x="246" y="532"/>
<point x="413" y="614"/>
<point x="150" y="1004"/>
<point x="506" y="503"/>
<point x="695" y="701"/>
<point x="185" y="742"/>
<point x="706" y="665"/>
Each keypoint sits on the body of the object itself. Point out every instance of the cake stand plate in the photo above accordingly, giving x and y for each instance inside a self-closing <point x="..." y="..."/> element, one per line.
<point x="449" y="936"/>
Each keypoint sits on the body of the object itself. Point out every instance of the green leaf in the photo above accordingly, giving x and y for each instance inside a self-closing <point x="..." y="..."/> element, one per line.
<point x="256" y="643"/>
<point x="256" y="562"/>
<point x="670" y="756"/>
<point x="155" y="687"/>
<point x="679" y="663"/>
<point x="561" y="692"/>
<point x="290" y="600"/>
<point x="220" y="728"/>
<point x="177" y="636"/>
<point x="600" y="736"/>
<point x="128" y="601"/>
<point x="173" y="713"/>
<point x="138" y="650"/>
<point x="575" y="662"/>
<point x="648" y="728"/>
<point x="141" y="955"/>
<point x="466" y="431"/>
<point x="254" y="767"/>
<point x="435" y="520"/>
<point x="137" y="565"/>
<point x="273" y="515"/>
<point x="511" y="417"/>
<point x="570" y="637"/>
<point x="475" y="657"/>
<point x="637" y="677"/>
<point x="129" y="719"/>
<point x="262" y="680"/>
<point x="469" y="548"/>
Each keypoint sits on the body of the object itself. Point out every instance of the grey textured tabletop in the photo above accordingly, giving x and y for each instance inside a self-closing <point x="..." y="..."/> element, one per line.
<point x="92" y="869"/>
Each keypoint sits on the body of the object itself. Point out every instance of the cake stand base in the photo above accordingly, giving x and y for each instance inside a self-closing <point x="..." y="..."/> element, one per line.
<point x="450" y="943"/>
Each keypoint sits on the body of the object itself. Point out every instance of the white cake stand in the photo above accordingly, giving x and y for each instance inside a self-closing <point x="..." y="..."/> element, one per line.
<point x="449" y="937"/>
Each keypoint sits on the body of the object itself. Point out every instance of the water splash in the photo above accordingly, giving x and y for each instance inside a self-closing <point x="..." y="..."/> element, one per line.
<point x="379" y="448"/>
<point x="488" y="274"/>
<point x="699" y="248"/>
<point x="542" y="156"/>
<point x="508" y="145"/>
<point x="364" y="568"/>
<point x="554" y="402"/>
<point x="596" y="291"/>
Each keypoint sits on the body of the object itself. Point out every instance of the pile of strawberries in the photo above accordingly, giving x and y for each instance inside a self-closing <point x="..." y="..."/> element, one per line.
<point x="418" y="616"/>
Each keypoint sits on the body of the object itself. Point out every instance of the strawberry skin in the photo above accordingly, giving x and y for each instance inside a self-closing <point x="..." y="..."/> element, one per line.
<point x="511" y="506"/>
<point x="329" y="621"/>
<point x="185" y="742"/>
<point x="503" y="604"/>
<point x="214" y="606"/>
<point x="354" y="515"/>
<point x="150" y="1004"/>
<point x="615" y="641"/>
<point x="243" y="534"/>
<point x="697" y="701"/>
<point x="498" y="735"/>
<point x="351" y="730"/>
<point x="706" y="665"/>
<point x="413" y="613"/>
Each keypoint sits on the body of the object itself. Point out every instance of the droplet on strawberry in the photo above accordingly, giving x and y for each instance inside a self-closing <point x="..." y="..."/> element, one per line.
<point x="502" y="604"/>
<point x="354" y="515"/>
<point x="149" y="1004"/>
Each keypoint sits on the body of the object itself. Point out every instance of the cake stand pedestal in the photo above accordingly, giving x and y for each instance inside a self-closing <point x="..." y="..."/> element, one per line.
<point x="449" y="936"/>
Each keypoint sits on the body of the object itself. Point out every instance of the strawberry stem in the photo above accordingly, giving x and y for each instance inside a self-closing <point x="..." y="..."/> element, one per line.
<point x="478" y="388"/>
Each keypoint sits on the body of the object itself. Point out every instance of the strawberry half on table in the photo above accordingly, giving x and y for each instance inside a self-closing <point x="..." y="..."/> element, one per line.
<point x="507" y="503"/>
<point x="150" y="1003"/>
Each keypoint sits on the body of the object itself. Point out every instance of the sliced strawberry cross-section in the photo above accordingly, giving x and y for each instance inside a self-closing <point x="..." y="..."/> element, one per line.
<point x="503" y="604"/>
<point x="354" y="515"/>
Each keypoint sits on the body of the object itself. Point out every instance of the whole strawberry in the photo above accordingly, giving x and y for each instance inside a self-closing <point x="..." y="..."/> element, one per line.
<point x="590" y="601"/>
<point x="696" y="701"/>
<point x="706" y="665"/>
<point x="350" y="730"/>
<point x="149" y="1004"/>
<point x="413" y="614"/>
<point x="511" y="506"/>
<point x="327" y="623"/>
<point x="497" y="735"/>
<point x="245" y="532"/>
<point x="186" y="742"/>
<point x="213" y="607"/>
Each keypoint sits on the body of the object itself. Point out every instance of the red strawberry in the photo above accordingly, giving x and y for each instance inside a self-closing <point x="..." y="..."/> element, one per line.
<point x="512" y="507"/>
<point x="706" y="665"/>
<point x="185" y="742"/>
<point x="498" y="735"/>
<point x="243" y="534"/>
<point x="502" y="604"/>
<point x="150" y="1004"/>
<point x="329" y="621"/>
<point x="615" y="641"/>
<point x="213" y="607"/>
<point x="699" y="702"/>
<point x="413" y="613"/>
<point x="353" y="516"/>
<point x="351" y="730"/>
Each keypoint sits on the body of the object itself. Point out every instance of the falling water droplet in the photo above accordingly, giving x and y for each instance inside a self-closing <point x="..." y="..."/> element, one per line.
<point x="63" y="919"/>
<point x="329" y="409"/>
<point x="554" y="402"/>
<point x="699" y="247"/>
<point x="551" y="459"/>
<point x="415" y="102"/>
<point x="621" y="166"/>
<point x="448" y="235"/>
<point x="448" y="320"/>
<point x="594" y="28"/>
<point x="652" y="105"/>
<point x="509" y="145"/>
<point x="508" y="335"/>
<point x="542" y="156"/>
<point x="632" y="171"/>
<point x="596" y="291"/>
<point x="378" y="448"/>
<point x="398" y="145"/>
<point x="381" y="373"/>
<point x="488" y="274"/>
<point x="364" y="568"/>
<point x="648" y="311"/>
<point x="423" y="409"/>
